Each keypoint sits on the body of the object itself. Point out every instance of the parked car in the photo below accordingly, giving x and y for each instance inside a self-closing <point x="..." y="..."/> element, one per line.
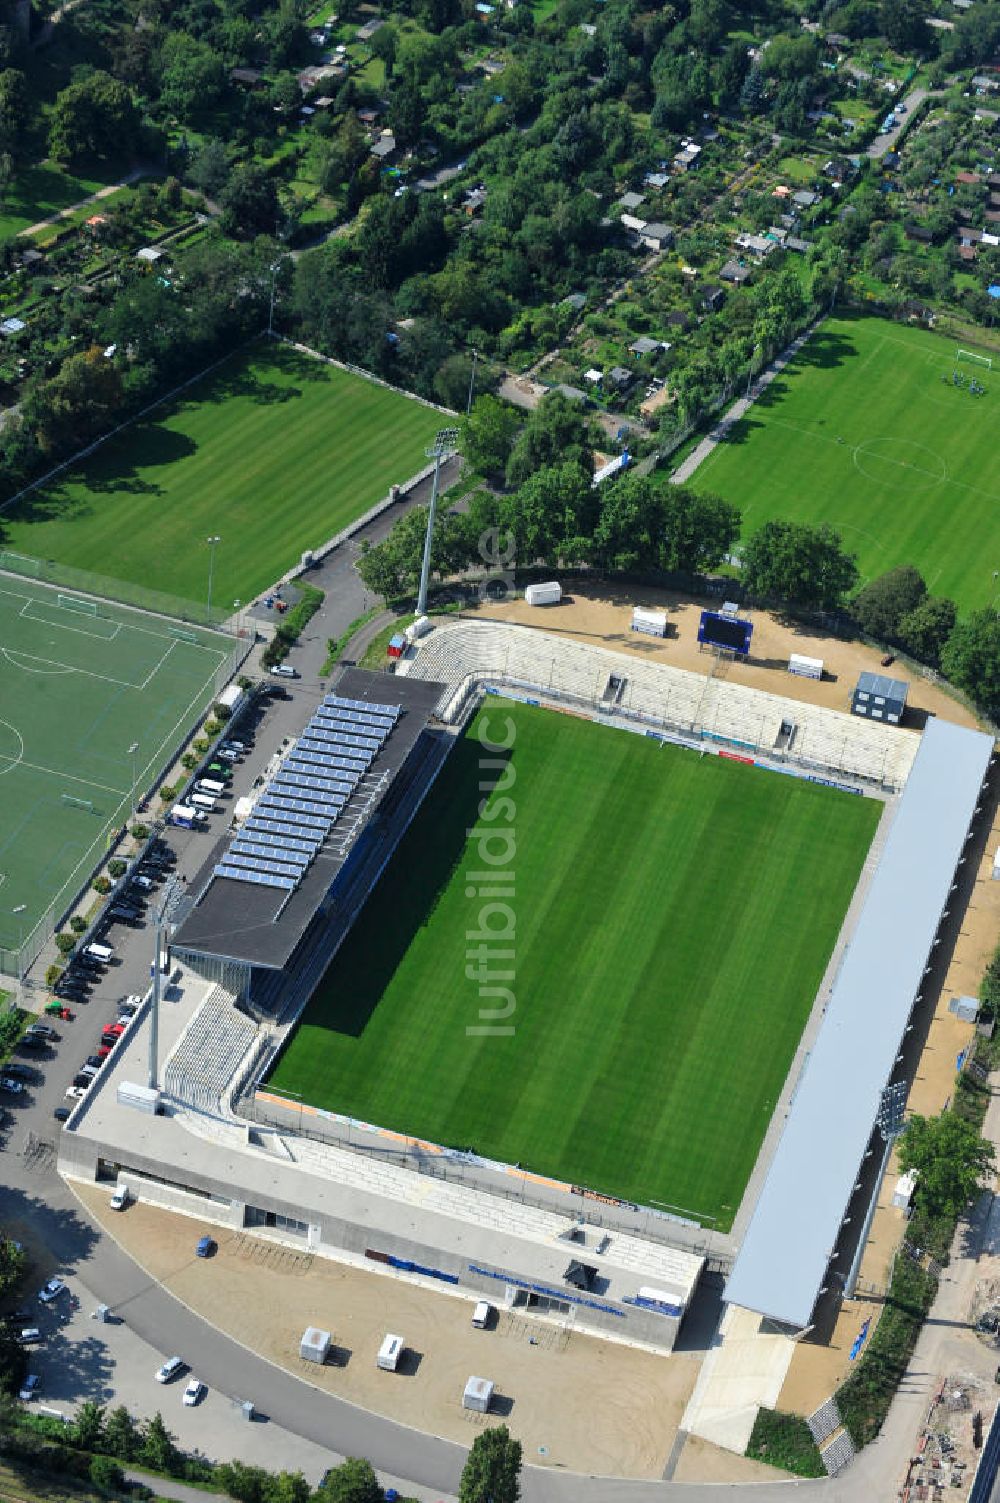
<point x="76" y="1092"/>
<point x="146" y="884"/>
<point x="29" y="1335"/>
<point x="62" y="1113"/>
<point x="8" y="1083"/>
<point x="51" y="1291"/>
<point x="20" y="1072"/>
<point x="206" y="1247"/>
<point x="120" y="1198"/>
<point x="194" y="1391"/>
<point x="93" y="1062"/>
<point x="284" y="670"/>
<point x="59" y="1010"/>
<point x="41" y="1031"/>
<point x="171" y="1369"/>
<point x="30" y="1387"/>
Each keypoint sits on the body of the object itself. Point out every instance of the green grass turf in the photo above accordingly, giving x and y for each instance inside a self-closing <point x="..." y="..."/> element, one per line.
<point x="674" y="916"/>
<point x="274" y="452"/>
<point x="914" y="480"/>
<point x="75" y="692"/>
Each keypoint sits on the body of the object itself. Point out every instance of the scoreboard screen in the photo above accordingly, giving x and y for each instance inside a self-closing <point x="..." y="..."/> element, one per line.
<point x="731" y="632"/>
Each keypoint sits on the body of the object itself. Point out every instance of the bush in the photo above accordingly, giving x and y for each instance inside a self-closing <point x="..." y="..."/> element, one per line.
<point x="65" y="943"/>
<point x="52" y="975"/>
<point x="140" y="832"/>
<point x="117" y="868"/>
<point x="200" y="745"/>
<point x="212" y="728"/>
<point x="189" y="761"/>
<point x="101" y="885"/>
<point x="167" y="792"/>
<point x="77" y="923"/>
<point x="864" y="1399"/>
<point x="106" y="1474"/>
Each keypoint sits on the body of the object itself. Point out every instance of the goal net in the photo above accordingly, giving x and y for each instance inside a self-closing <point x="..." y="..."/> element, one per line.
<point x="77" y="603"/>
<point x="983" y="360"/>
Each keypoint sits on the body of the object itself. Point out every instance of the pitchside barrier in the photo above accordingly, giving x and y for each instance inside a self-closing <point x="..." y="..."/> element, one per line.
<point x="122" y="592"/>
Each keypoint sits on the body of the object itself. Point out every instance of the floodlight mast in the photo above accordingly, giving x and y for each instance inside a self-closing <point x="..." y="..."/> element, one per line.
<point x="889" y="1120"/>
<point x="444" y="446"/>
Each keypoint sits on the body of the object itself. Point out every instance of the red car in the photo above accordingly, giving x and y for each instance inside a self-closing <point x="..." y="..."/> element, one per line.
<point x="116" y="1028"/>
<point x="104" y="1051"/>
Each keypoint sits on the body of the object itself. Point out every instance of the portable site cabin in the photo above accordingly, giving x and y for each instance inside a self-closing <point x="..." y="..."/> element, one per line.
<point x="805" y="667"/>
<point x="879" y="698"/>
<point x="389" y="1353"/>
<point x="544" y="594"/>
<point x="478" y="1395"/>
<point x="230" y="700"/>
<point x="315" y="1345"/>
<point x="650" y="623"/>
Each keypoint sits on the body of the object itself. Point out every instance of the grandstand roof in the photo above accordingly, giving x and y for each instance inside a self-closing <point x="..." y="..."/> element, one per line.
<point x="796" y="1223"/>
<point x="263" y="925"/>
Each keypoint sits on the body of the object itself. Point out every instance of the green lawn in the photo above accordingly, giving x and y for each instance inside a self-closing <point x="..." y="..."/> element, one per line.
<point x="41" y="191"/>
<point x="673" y="918"/>
<point x="274" y="452"/>
<point x="76" y="692"/>
<point x="862" y="432"/>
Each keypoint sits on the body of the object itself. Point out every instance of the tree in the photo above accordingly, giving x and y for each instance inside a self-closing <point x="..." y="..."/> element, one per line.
<point x="16" y="110"/>
<point x="971" y="659"/>
<point x="880" y="606"/>
<point x="806" y="566"/>
<point x="925" y="630"/>
<point x="247" y="1484"/>
<point x="210" y="167"/>
<point x="629" y="531"/>
<point x="88" y="1427"/>
<point x="78" y="403"/>
<point x="951" y="1160"/>
<point x="383" y="45"/>
<point x="13" y="1361"/>
<point x="285" y="93"/>
<point x="121" y="1434"/>
<point x="698" y="530"/>
<point x="492" y="1472"/>
<point x="95" y="117"/>
<point x="354" y="1481"/>
<point x="553" y="515"/>
<point x="287" y="1487"/>
<point x="555" y="432"/>
<point x="157" y="1449"/>
<point x="488" y="434"/>
<point x="249" y="202"/>
<point x="192" y="76"/>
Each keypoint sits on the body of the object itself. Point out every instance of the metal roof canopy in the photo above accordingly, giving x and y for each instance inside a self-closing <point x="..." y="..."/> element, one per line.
<point x="796" y="1223"/>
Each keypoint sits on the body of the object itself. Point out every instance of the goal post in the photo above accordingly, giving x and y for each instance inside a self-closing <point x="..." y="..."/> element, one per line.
<point x="986" y="360"/>
<point x="77" y="603"/>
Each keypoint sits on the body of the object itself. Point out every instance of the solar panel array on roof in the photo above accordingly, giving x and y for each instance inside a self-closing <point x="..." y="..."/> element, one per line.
<point x="298" y="808"/>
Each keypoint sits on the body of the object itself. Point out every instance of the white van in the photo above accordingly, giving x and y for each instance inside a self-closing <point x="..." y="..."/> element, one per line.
<point x="481" y="1314"/>
<point x="285" y="670"/>
<point x="211" y="787"/>
<point x="203" y="801"/>
<point x="103" y="953"/>
<point x="389" y="1353"/>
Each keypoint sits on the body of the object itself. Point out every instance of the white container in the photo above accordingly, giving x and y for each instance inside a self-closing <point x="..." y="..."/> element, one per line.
<point x="805" y="667"/>
<point x="143" y="1098"/>
<point x="651" y="623"/>
<point x="389" y="1353"/>
<point x="544" y="594"/>
<point x="315" y="1345"/>
<point x="478" y="1395"/>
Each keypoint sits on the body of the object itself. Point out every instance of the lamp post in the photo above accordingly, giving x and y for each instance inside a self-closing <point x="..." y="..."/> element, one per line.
<point x="132" y="751"/>
<point x="443" y="447"/>
<point x="212" y="541"/>
<point x="472" y="383"/>
<point x="16" y="912"/>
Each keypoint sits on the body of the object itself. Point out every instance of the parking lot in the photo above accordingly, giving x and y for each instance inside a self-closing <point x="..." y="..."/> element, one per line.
<point x="573" y="1400"/>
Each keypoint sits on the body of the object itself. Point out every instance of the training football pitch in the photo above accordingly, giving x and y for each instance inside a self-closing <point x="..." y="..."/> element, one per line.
<point x="77" y="692"/>
<point x="861" y="431"/>
<point x="673" y="918"/>
<point x="273" y="452"/>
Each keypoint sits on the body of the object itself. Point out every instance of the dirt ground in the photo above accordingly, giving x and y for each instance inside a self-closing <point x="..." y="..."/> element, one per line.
<point x="599" y="614"/>
<point x="702" y="1462"/>
<point x="265" y="1295"/>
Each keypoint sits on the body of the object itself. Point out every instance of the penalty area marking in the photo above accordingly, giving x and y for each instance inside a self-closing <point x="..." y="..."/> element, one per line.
<point x="28" y="615"/>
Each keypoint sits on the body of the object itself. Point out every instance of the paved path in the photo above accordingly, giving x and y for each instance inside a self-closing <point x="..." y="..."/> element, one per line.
<point x="739" y="409"/>
<point x="130" y="177"/>
<point x="884" y="144"/>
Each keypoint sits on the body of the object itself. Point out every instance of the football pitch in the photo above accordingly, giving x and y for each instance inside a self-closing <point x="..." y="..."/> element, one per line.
<point x="273" y="452"/>
<point x="77" y="692"/>
<point x="861" y="431"/>
<point x="674" y="915"/>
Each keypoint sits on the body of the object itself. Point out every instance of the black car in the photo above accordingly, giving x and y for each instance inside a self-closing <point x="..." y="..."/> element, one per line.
<point x="122" y="915"/>
<point x="61" y="1113"/>
<point x="70" y="992"/>
<point x="89" y="964"/>
<point x="31" y="1041"/>
<point x="19" y="1072"/>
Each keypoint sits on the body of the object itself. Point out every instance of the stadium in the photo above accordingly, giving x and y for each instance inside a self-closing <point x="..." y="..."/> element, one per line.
<point x="722" y="904"/>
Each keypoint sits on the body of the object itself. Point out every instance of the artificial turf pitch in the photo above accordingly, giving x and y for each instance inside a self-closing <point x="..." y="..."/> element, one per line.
<point x="76" y="693"/>
<point x="674" y="915"/>
<point x="862" y="432"/>
<point x="274" y="452"/>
